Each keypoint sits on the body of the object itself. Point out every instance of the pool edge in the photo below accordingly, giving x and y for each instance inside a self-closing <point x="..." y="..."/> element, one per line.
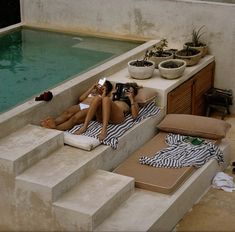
<point x="65" y="94"/>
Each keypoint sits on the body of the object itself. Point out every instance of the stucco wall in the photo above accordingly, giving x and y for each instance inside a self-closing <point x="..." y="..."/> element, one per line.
<point x="171" y="19"/>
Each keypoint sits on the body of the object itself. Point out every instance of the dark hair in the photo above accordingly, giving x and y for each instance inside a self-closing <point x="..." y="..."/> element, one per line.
<point x="109" y="87"/>
<point x="134" y="86"/>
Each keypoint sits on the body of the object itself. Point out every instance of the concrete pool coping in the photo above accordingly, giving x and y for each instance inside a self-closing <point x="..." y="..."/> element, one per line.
<point x="65" y="94"/>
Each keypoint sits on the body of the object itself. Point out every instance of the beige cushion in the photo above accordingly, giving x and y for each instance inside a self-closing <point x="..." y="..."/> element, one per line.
<point x="163" y="180"/>
<point x="193" y="125"/>
<point x="145" y="95"/>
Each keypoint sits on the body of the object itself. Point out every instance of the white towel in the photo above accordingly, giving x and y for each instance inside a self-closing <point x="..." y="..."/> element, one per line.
<point x="223" y="181"/>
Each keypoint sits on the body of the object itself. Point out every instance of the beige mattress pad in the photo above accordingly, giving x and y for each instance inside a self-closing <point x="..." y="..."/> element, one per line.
<point x="163" y="180"/>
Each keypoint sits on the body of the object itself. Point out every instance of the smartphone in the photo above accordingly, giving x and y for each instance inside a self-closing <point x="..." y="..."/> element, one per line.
<point x="101" y="81"/>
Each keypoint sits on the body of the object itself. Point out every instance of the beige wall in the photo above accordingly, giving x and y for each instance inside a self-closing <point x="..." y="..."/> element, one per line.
<point x="172" y="19"/>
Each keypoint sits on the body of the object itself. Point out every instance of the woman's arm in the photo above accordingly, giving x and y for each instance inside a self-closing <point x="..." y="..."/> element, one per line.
<point x="85" y="95"/>
<point x="134" y="109"/>
<point x="134" y="104"/>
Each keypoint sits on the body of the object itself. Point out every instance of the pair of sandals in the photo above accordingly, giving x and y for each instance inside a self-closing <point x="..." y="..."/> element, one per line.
<point x="46" y="96"/>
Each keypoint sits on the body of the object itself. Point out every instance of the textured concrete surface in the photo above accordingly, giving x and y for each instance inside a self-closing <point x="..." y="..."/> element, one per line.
<point x="216" y="210"/>
<point x="93" y="200"/>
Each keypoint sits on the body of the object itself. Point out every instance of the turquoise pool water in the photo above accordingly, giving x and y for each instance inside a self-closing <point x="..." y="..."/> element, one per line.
<point x="32" y="61"/>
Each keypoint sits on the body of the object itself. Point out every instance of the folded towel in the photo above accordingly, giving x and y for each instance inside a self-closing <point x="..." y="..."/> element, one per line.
<point x="223" y="181"/>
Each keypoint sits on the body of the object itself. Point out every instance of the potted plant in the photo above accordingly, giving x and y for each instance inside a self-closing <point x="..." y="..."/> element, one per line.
<point x="190" y="55"/>
<point x="196" y="42"/>
<point x="172" y="69"/>
<point x="141" y="69"/>
<point x="158" y="53"/>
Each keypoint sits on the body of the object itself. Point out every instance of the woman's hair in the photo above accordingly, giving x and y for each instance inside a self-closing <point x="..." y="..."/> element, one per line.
<point x="109" y="87"/>
<point x="134" y="86"/>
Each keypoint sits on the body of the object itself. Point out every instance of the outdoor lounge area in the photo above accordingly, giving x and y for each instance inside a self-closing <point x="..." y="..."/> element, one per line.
<point x="53" y="180"/>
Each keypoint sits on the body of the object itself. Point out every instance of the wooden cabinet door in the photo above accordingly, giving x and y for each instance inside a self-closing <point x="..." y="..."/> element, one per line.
<point x="179" y="100"/>
<point x="188" y="98"/>
<point x="202" y="82"/>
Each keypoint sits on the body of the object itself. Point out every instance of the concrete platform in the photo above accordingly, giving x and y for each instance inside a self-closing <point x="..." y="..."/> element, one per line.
<point x="47" y="186"/>
<point x="30" y="194"/>
<point x="152" y="211"/>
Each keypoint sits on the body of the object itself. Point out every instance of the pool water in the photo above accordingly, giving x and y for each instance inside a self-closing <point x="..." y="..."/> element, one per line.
<point x="32" y="61"/>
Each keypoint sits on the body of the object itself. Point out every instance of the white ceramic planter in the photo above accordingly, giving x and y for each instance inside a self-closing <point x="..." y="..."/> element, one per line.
<point x="141" y="73"/>
<point x="158" y="59"/>
<point x="172" y="73"/>
<point x="202" y="49"/>
<point x="190" y="60"/>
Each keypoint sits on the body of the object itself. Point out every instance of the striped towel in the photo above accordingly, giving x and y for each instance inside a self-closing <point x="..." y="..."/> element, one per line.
<point x="180" y="154"/>
<point x="114" y="131"/>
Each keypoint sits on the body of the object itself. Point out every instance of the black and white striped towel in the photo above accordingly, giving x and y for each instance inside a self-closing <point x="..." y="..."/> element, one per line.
<point x="114" y="131"/>
<point x="183" y="154"/>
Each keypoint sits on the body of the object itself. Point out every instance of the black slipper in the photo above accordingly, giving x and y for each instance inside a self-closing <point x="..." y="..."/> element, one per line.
<point x="233" y="163"/>
<point x="233" y="170"/>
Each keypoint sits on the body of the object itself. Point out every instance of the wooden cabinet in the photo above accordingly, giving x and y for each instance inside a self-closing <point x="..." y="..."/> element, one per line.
<point x="188" y="98"/>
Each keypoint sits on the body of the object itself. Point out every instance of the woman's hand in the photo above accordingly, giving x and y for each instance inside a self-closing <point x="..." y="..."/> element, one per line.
<point x="99" y="89"/>
<point x="134" y="105"/>
<point x="130" y="94"/>
<point x="86" y="94"/>
<point x="103" y="90"/>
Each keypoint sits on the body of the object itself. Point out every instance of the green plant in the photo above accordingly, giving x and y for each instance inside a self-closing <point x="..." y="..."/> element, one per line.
<point x="159" y="50"/>
<point x="196" y="36"/>
<point x="144" y="61"/>
<point x="189" y="51"/>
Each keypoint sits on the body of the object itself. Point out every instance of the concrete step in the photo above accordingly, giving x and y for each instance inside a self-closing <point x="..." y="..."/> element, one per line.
<point x="57" y="173"/>
<point x="138" y="213"/>
<point x="45" y="182"/>
<point x="89" y="203"/>
<point x="26" y="146"/>
<point x="64" y="168"/>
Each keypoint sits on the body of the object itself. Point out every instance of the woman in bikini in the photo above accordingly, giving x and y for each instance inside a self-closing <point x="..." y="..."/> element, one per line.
<point x="76" y="114"/>
<point x="108" y="110"/>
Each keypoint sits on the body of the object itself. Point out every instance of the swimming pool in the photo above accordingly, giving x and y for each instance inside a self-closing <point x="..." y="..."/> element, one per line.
<point x="32" y="61"/>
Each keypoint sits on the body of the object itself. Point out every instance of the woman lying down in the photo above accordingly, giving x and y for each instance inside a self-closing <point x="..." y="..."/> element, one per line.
<point x="112" y="109"/>
<point x="76" y="114"/>
<point x="98" y="102"/>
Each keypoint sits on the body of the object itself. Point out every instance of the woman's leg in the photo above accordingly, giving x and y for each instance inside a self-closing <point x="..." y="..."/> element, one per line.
<point x="106" y="111"/>
<point x="95" y="104"/>
<point x="111" y="112"/>
<point x="78" y="118"/>
<point x="49" y="122"/>
<point x="67" y="114"/>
